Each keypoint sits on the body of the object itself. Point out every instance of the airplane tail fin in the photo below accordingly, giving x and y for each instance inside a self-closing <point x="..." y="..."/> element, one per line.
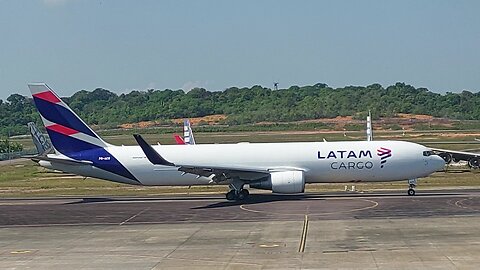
<point x="68" y="133"/>
<point x="178" y="139"/>
<point x="369" y="127"/>
<point x="187" y="132"/>
<point x="39" y="140"/>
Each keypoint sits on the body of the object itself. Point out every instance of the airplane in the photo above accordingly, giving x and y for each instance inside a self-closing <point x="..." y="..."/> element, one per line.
<point x="178" y="139"/>
<point x="41" y="143"/>
<point x="283" y="168"/>
<point x="187" y="134"/>
<point x="472" y="159"/>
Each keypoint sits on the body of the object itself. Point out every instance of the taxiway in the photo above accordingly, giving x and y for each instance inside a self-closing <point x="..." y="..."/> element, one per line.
<point x="314" y="231"/>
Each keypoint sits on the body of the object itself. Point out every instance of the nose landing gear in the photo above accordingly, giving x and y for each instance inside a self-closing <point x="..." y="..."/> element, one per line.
<point x="412" y="183"/>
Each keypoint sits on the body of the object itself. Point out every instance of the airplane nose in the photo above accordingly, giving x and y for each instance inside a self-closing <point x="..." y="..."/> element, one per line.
<point x="437" y="163"/>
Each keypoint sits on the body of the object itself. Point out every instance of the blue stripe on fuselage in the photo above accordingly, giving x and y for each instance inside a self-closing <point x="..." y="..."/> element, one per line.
<point x="60" y="115"/>
<point x="81" y="150"/>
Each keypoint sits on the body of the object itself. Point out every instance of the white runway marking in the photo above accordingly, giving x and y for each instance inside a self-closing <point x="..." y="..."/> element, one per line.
<point x="134" y="216"/>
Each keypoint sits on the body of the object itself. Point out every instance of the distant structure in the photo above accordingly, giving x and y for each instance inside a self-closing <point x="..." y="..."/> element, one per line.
<point x="275" y="85"/>
<point x="369" y="127"/>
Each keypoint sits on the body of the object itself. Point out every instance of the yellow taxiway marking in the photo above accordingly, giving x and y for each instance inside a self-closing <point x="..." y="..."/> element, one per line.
<point x="303" y="239"/>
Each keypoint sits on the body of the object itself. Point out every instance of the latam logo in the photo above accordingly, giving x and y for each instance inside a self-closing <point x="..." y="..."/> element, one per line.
<point x="384" y="154"/>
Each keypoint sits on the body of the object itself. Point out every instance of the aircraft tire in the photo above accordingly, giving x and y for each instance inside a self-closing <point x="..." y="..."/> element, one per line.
<point x="231" y="195"/>
<point x="411" y="192"/>
<point x="244" y="193"/>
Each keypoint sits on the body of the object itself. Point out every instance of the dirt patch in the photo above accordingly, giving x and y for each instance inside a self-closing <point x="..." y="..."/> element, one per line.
<point x="209" y="119"/>
<point x="414" y="116"/>
<point x="143" y="124"/>
<point x="401" y="121"/>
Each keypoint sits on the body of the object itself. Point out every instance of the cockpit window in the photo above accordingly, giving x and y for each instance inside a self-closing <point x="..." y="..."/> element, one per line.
<point x="428" y="153"/>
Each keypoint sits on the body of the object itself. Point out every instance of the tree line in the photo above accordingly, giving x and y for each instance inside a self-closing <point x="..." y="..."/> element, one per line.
<point x="106" y="109"/>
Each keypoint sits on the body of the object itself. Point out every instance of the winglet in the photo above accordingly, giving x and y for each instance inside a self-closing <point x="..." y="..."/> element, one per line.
<point x="153" y="156"/>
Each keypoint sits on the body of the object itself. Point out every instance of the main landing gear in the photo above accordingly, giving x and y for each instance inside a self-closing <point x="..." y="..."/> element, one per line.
<point x="237" y="192"/>
<point x="234" y="195"/>
<point x="412" y="183"/>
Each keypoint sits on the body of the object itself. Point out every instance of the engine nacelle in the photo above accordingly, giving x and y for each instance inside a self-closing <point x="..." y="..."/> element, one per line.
<point x="474" y="162"/>
<point x="447" y="157"/>
<point x="287" y="182"/>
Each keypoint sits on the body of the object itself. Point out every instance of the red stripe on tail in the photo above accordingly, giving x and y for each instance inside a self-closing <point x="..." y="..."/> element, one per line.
<point x="48" y="96"/>
<point x="178" y="139"/>
<point x="62" y="129"/>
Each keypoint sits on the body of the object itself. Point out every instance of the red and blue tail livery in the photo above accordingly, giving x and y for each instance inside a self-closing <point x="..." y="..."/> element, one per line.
<point x="70" y="136"/>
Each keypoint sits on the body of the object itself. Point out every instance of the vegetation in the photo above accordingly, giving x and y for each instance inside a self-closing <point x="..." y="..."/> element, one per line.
<point x="245" y="106"/>
<point x="9" y="147"/>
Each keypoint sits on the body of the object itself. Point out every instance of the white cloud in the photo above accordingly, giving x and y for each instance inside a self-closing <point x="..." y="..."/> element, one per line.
<point x="195" y="84"/>
<point x="151" y="85"/>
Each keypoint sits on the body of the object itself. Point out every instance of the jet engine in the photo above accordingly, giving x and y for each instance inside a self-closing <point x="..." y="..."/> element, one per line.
<point x="447" y="157"/>
<point x="286" y="182"/>
<point x="474" y="162"/>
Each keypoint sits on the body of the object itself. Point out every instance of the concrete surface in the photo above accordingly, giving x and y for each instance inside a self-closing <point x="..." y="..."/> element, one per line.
<point x="376" y="231"/>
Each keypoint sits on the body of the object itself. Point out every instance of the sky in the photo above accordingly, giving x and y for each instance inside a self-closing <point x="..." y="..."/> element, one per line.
<point x="216" y="44"/>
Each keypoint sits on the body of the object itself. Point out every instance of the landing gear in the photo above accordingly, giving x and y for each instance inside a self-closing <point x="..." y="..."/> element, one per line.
<point x="231" y="195"/>
<point x="244" y="193"/>
<point x="412" y="183"/>
<point x="234" y="195"/>
<point x="237" y="192"/>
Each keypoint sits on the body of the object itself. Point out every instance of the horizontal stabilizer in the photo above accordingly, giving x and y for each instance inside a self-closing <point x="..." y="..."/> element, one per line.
<point x="153" y="156"/>
<point x="59" y="160"/>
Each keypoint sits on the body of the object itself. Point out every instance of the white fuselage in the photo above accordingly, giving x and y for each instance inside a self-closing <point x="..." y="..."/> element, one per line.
<point x="322" y="162"/>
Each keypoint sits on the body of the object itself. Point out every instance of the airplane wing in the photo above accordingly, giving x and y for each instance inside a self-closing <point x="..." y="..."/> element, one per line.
<point x="218" y="174"/>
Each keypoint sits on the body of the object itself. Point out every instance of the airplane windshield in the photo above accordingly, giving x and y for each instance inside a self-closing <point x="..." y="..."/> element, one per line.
<point x="428" y="153"/>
